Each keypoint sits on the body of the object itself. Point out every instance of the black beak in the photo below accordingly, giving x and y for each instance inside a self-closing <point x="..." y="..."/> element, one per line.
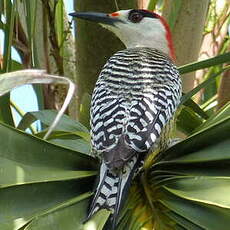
<point x="96" y="17"/>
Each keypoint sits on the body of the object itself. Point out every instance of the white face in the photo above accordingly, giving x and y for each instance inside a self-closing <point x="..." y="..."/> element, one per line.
<point x="148" y="32"/>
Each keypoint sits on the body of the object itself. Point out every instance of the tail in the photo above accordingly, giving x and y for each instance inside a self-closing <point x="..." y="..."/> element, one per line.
<point x="112" y="189"/>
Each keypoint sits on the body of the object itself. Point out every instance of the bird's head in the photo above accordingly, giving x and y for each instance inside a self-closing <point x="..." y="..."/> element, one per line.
<point x="135" y="28"/>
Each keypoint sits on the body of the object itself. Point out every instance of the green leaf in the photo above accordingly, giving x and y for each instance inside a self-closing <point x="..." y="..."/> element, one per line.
<point x="8" y="33"/>
<point x="69" y="215"/>
<point x="152" y="5"/>
<point x="31" y="16"/>
<point x="5" y="111"/>
<point x="175" y="9"/>
<point x="202" y="85"/>
<point x="47" y="117"/>
<point x="206" y="138"/>
<point x="36" y="176"/>
<point x="196" y="164"/>
<point x="16" y="65"/>
<point x="98" y="221"/>
<point x="220" y="59"/>
<point x="201" y="189"/>
<point x="179" y="222"/>
<point x="59" y="23"/>
<point x="73" y="142"/>
<point x="24" y="202"/>
<point x="215" y="118"/>
<point x="15" y="173"/>
<point x="66" y="135"/>
<point x="190" y="181"/>
<point x="203" y="215"/>
<point x="196" y="108"/>
<point x="188" y="120"/>
<point x="26" y="149"/>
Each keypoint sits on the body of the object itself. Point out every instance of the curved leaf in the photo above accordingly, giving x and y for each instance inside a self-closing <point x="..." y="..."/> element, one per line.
<point x="24" y="202"/>
<point x="98" y="221"/>
<point x="204" y="84"/>
<point x="29" y="150"/>
<point x="201" y="189"/>
<point x="15" y="173"/>
<point x="211" y="135"/>
<point x="69" y="215"/>
<point x="220" y="59"/>
<point x="47" y="117"/>
<point x="203" y="215"/>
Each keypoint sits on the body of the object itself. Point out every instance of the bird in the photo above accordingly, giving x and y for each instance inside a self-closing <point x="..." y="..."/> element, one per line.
<point x="134" y="102"/>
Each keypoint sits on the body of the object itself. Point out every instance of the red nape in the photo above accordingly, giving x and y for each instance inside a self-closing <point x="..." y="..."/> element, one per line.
<point x="169" y="38"/>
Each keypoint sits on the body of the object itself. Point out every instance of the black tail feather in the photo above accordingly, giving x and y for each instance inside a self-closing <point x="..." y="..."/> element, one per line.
<point x="112" y="190"/>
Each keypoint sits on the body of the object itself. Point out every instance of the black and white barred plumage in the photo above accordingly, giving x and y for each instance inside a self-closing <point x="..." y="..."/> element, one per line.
<point x="135" y="97"/>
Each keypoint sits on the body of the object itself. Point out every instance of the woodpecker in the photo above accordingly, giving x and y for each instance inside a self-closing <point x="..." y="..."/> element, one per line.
<point x="133" y="103"/>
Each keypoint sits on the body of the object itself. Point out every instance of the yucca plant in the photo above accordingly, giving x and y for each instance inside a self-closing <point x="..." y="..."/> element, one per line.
<point x="47" y="184"/>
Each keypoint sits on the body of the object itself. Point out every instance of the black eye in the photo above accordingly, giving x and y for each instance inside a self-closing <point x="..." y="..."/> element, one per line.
<point x="135" y="17"/>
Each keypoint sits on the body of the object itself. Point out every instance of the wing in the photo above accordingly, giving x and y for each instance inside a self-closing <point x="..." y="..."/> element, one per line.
<point x="108" y="115"/>
<point x="155" y="105"/>
<point x="149" y="114"/>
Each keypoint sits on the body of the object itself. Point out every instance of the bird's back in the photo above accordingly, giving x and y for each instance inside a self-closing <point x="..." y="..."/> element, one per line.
<point x="136" y="94"/>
